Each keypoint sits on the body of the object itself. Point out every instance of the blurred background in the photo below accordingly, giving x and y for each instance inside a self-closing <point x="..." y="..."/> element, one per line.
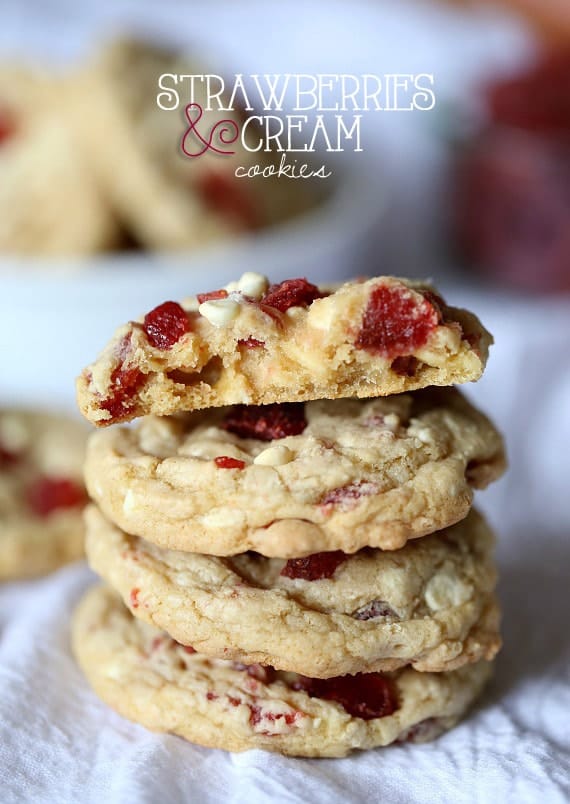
<point x="102" y="217"/>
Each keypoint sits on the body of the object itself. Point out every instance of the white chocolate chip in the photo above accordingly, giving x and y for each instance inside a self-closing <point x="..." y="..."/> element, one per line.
<point x="219" y="311"/>
<point x="444" y="591"/>
<point x="253" y="285"/>
<point x="392" y="421"/>
<point x="424" y="434"/>
<point x="274" y="456"/>
<point x="190" y="304"/>
<point x="130" y="502"/>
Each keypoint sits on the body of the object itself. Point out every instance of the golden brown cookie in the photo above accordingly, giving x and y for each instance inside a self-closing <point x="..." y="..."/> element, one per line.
<point x="147" y="677"/>
<point x="291" y="480"/>
<point x="429" y="604"/>
<point x="254" y="344"/>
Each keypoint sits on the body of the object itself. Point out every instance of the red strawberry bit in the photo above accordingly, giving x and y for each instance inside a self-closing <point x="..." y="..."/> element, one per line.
<point x="374" y="609"/>
<point x="291" y="293"/>
<point x="315" y="567"/>
<point x="225" y="194"/>
<point x="7" y="126"/>
<point x="538" y="100"/>
<point x="364" y="695"/>
<point x="258" y="715"/>
<point x="134" y="598"/>
<point x="211" y="696"/>
<point x="266" y="422"/>
<point x="234" y="701"/>
<point x="225" y="462"/>
<point x="8" y="458"/>
<point x="48" y="494"/>
<point x="397" y="321"/>
<point x="125" y="383"/>
<point x="166" y="324"/>
<point x="158" y="641"/>
<point x="211" y="296"/>
<point x="187" y="649"/>
<point x="250" y="343"/>
<point x="346" y="497"/>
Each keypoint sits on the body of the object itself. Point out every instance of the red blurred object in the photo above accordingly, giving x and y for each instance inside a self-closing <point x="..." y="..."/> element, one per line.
<point x="49" y="494"/>
<point x="513" y="204"/>
<point x="7" y="126"/>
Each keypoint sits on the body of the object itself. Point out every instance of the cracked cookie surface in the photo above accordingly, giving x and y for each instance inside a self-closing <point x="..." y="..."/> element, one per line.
<point x="254" y="344"/>
<point x="351" y="474"/>
<point x="429" y="604"/>
<point x="41" y="492"/>
<point x="147" y="677"/>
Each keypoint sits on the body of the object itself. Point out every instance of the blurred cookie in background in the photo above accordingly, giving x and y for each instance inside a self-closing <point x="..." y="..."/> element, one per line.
<point x="164" y="199"/>
<point x="512" y="206"/>
<point x="41" y="492"/>
<point x="50" y="204"/>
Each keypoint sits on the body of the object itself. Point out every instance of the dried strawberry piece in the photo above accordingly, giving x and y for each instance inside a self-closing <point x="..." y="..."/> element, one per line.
<point x="346" y="497"/>
<point x="187" y="648"/>
<point x="376" y="608"/>
<point x="134" y="598"/>
<point x="257" y="715"/>
<point x="8" y="458"/>
<point x="166" y="324"/>
<point x="364" y="695"/>
<point x="125" y="384"/>
<point x="266" y="422"/>
<point x="7" y="126"/>
<point x="538" y="100"/>
<point x="225" y="462"/>
<point x="315" y="567"/>
<point x="396" y="321"/>
<point x="212" y="295"/>
<point x="250" y="343"/>
<point x="291" y="293"/>
<point x="225" y="194"/>
<point x="50" y="494"/>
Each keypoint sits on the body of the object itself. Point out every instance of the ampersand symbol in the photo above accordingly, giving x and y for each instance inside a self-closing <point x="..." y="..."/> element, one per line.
<point x="226" y="131"/>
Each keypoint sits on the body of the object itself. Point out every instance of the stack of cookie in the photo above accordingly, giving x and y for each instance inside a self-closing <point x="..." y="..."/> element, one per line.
<point x="260" y="528"/>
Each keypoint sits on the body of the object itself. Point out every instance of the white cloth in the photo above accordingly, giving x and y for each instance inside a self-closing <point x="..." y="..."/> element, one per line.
<point x="58" y="743"/>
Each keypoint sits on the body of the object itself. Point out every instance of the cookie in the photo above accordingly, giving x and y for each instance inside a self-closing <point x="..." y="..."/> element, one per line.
<point x="41" y="492"/>
<point x="336" y="474"/>
<point x="50" y="204"/>
<point x="429" y="604"/>
<point x="254" y="344"/>
<point x="167" y="200"/>
<point x="147" y="677"/>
